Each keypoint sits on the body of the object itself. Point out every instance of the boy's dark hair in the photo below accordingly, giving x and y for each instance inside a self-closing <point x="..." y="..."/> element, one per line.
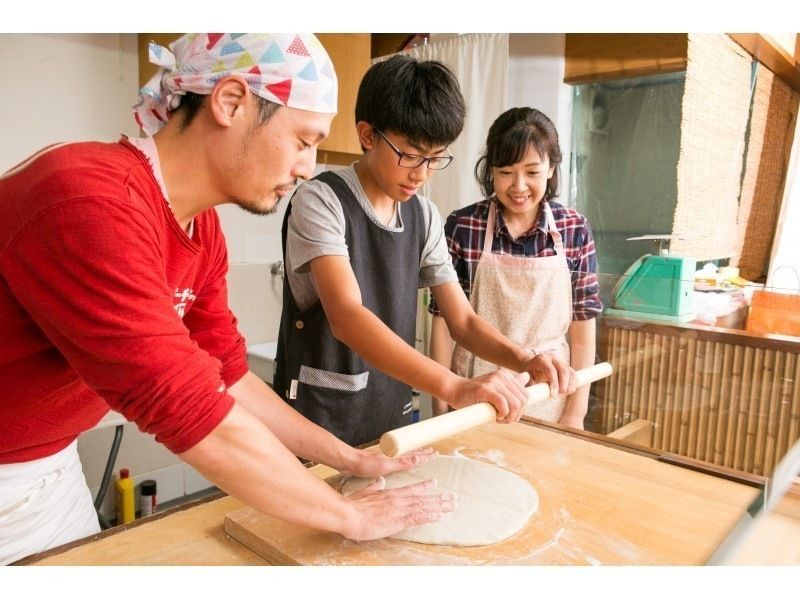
<point x="509" y="138"/>
<point x="192" y="102"/>
<point x="420" y="100"/>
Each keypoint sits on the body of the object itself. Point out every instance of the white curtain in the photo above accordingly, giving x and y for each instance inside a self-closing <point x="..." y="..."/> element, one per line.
<point x="784" y="264"/>
<point x="480" y="62"/>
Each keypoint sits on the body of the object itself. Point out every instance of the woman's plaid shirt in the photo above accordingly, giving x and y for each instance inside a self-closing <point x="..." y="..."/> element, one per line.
<point x="466" y="228"/>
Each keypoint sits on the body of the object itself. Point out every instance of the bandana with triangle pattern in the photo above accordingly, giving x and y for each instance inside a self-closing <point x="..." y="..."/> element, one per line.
<point x="291" y="69"/>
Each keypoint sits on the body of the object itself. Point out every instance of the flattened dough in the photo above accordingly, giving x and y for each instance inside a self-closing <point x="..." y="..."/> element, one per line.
<point x="493" y="503"/>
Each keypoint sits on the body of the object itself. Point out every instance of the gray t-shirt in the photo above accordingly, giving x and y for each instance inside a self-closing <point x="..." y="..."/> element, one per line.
<point x="317" y="228"/>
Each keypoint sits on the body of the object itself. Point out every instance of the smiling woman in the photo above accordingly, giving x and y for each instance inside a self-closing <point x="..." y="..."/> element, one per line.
<point x="527" y="263"/>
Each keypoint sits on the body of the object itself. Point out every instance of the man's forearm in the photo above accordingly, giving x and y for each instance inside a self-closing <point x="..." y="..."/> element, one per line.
<point x="246" y="460"/>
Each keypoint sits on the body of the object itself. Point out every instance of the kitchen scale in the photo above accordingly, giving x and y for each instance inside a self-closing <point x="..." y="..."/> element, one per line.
<point x="656" y="287"/>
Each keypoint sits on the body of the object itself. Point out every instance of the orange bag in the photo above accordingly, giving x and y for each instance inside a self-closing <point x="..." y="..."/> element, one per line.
<point x="776" y="313"/>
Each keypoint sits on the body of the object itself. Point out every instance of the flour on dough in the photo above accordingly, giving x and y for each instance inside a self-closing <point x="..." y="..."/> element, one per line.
<point x="493" y="503"/>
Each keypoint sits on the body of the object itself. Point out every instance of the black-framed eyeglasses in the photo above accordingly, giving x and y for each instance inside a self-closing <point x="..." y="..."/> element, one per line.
<point x="413" y="161"/>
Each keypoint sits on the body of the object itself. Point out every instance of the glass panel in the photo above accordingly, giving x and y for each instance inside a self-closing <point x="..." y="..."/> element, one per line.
<point x="706" y="365"/>
<point x="623" y="176"/>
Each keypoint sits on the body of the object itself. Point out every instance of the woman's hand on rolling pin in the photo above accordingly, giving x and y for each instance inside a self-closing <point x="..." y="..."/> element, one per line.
<point x="503" y="389"/>
<point x="546" y="367"/>
<point x="378" y="513"/>
<point x="369" y="464"/>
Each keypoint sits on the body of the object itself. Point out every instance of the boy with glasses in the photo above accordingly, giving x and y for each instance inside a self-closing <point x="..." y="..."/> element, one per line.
<point x="358" y="244"/>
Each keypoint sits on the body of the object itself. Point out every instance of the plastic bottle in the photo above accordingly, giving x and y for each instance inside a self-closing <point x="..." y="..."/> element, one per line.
<point x="126" y="511"/>
<point x="147" y="498"/>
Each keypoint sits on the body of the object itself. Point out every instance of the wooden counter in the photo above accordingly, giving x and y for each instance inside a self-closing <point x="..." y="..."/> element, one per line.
<point x="598" y="505"/>
<point x="188" y="535"/>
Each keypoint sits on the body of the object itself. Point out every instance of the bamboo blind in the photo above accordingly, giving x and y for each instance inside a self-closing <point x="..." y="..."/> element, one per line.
<point x="714" y="114"/>
<point x="775" y="106"/>
<point x="728" y="399"/>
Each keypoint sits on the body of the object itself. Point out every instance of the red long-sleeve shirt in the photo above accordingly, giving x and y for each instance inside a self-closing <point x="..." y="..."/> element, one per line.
<point x="105" y="301"/>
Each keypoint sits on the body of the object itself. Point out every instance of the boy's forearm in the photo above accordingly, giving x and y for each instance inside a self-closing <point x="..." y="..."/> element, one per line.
<point x="474" y="333"/>
<point x="363" y="332"/>
<point x="479" y="337"/>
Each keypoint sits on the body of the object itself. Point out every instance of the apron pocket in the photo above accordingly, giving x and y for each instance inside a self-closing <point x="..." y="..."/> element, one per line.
<point x="332" y="380"/>
<point x="334" y="401"/>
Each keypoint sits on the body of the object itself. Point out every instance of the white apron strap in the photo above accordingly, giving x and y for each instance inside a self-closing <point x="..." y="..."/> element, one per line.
<point x="558" y="242"/>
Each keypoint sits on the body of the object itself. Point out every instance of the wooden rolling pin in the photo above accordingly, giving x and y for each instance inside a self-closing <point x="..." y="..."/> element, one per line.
<point x="414" y="436"/>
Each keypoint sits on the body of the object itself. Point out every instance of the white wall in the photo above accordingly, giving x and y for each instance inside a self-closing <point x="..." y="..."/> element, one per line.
<point x="65" y="87"/>
<point x="254" y="294"/>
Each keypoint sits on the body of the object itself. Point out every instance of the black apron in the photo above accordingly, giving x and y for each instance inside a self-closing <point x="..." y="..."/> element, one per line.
<point x="321" y="377"/>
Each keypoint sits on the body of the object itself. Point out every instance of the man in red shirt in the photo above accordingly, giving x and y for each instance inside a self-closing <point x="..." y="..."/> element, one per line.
<point x="112" y="294"/>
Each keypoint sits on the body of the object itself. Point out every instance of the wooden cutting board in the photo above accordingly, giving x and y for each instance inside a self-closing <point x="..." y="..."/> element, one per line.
<point x="597" y="505"/>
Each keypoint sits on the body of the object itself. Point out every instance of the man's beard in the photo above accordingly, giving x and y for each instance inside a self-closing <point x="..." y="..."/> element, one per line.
<point x="253" y="208"/>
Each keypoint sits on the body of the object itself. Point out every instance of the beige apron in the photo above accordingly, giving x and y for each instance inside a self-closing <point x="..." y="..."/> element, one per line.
<point x="529" y="300"/>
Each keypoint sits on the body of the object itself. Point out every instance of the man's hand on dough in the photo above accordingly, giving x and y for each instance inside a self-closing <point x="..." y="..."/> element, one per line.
<point x="377" y="513"/>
